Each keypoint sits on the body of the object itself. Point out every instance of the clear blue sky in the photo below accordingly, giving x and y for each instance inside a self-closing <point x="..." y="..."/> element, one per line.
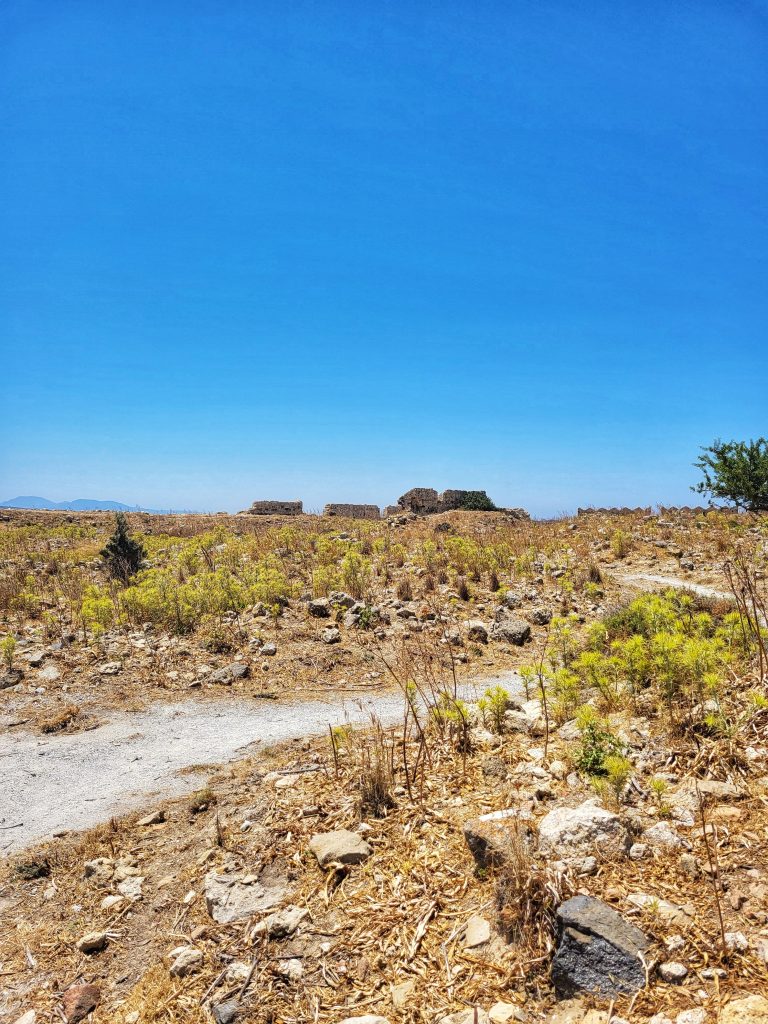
<point x="334" y="250"/>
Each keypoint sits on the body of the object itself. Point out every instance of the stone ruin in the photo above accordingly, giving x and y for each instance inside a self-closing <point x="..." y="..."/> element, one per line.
<point x="614" y="511"/>
<point x="276" y="508"/>
<point x="426" y="501"/>
<point x="353" y="511"/>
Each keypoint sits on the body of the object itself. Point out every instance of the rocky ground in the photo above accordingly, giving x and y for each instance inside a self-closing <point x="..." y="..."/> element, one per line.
<point x="465" y="864"/>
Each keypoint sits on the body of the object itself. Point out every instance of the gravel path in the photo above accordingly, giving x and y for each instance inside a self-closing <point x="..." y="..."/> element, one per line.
<point x="75" y="781"/>
<point x="646" y="580"/>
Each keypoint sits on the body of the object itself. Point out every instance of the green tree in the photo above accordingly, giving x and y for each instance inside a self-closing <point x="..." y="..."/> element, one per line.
<point x="476" y="501"/>
<point x="737" y="472"/>
<point x="123" y="555"/>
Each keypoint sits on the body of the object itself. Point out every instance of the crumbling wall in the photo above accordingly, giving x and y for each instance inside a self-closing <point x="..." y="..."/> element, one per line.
<point x="276" y="508"/>
<point x="425" y="500"/>
<point x="353" y="511"/>
<point x="614" y="511"/>
<point x="421" y="500"/>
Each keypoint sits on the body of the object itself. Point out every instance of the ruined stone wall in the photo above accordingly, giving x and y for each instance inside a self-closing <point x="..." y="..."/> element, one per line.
<point x="425" y="500"/>
<point x="614" y="511"/>
<point x="353" y="511"/>
<point x="421" y="500"/>
<point x="276" y="508"/>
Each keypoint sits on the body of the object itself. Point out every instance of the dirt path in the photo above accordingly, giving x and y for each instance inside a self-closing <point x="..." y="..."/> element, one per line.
<point x="648" y="581"/>
<point x="75" y="781"/>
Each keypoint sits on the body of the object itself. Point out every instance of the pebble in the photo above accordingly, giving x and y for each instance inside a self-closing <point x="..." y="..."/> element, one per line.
<point x="92" y="942"/>
<point x="673" y="972"/>
<point x="188" y="959"/>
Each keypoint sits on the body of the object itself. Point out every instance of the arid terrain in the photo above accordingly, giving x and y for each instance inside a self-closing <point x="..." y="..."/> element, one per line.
<point x="253" y="783"/>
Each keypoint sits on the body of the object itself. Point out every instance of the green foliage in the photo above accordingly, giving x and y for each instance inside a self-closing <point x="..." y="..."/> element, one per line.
<point x="736" y="471"/>
<point x="122" y="555"/>
<point x="493" y="707"/>
<point x="598" y="745"/>
<point x="620" y="544"/>
<point x="476" y="501"/>
<point x="97" y="610"/>
<point x="8" y="650"/>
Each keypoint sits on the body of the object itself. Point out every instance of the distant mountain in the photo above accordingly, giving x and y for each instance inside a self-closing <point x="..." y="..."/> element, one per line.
<point x="78" y="505"/>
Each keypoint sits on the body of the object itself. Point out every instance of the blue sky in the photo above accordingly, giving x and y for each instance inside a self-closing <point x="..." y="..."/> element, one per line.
<point x="335" y="250"/>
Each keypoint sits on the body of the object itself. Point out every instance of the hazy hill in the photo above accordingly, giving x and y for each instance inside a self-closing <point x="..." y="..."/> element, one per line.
<point x="78" y="505"/>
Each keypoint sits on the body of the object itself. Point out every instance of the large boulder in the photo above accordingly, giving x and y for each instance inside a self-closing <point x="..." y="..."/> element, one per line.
<point x="599" y="950"/>
<point x="578" y="831"/>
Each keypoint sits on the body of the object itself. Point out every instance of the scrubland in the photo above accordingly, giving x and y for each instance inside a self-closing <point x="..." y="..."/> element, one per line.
<point x="629" y="751"/>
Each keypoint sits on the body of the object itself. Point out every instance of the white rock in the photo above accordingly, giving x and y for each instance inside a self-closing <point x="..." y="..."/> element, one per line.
<point x="291" y="970"/>
<point x="694" y="1016"/>
<point x="92" y="942"/>
<point x="367" y="1018"/>
<point x="237" y="972"/>
<point x="187" y="961"/>
<point x="477" y="932"/>
<point x="503" y="1013"/>
<point x="673" y="972"/>
<point x="662" y="834"/>
<point x="578" y="831"/>
<point x="736" y="942"/>
<point x="27" y="1018"/>
<point x="109" y="902"/>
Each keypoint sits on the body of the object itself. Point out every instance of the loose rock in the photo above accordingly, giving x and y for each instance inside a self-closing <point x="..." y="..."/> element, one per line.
<point x="342" y="847"/>
<point x="599" y="951"/>
<point x="578" y="831"/>
<point x="79" y="1001"/>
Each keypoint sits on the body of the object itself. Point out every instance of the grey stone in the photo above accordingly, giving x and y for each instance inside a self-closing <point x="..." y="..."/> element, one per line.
<point x="188" y="960"/>
<point x="229" y="673"/>
<point x="599" y="950"/>
<point x="227" y="1012"/>
<point x="319" y="608"/>
<point x="511" y="630"/>
<point x="673" y="972"/>
<point x="541" y="616"/>
<point x="330" y="635"/>
<point x="579" y="831"/>
<point x="341" y="846"/>
<point x="282" y="923"/>
<point x="477" y="630"/>
<point x="237" y="896"/>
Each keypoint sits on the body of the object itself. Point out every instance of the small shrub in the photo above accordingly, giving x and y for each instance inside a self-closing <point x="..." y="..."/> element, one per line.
<point x="8" y="650"/>
<point x="462" y="589"/>
<point x="493" y="707"/>
<point x="122" y="555"/>
<point x="620" y="544"/>
<point x="528" y="894"/>
<point x="405" y="589"/>
<point x="202" y="800"/>
<point x="60" y="720"/>
<point x="597" y="744"/>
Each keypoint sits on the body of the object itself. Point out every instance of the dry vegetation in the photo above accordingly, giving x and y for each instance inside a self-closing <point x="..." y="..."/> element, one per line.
<point x="643" y="702"/>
